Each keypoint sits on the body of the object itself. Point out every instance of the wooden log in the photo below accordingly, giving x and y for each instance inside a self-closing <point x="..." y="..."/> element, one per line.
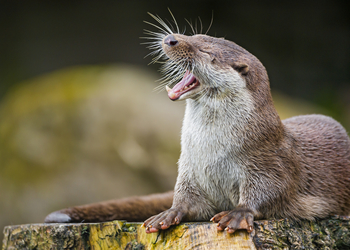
<point x="330" y="233"/>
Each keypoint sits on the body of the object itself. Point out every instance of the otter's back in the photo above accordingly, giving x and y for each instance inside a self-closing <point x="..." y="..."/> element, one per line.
<point x="325" y="148"/>
<point x="321" y="135"/>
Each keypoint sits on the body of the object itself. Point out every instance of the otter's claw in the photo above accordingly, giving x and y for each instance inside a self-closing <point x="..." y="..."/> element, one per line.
<point x="240" y="218"/>
<point x="163" y="220"/>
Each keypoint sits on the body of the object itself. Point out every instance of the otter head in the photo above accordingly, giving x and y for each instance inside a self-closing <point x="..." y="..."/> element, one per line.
<point x="205" y="66"/>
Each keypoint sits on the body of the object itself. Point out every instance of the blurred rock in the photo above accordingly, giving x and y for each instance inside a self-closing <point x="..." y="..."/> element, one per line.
<point x="288" y="107"/>
<point x="83" y="135"/>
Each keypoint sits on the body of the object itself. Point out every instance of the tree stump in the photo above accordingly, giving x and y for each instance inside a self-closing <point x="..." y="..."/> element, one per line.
<point x="330" y="233"/>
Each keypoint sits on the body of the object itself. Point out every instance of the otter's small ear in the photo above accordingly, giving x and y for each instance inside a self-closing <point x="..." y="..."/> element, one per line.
<point x="241" y="68"/>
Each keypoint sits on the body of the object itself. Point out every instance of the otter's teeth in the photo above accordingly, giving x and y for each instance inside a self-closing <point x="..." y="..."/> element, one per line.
<point x="172" y="96"/>
<point x="167" y="88"/>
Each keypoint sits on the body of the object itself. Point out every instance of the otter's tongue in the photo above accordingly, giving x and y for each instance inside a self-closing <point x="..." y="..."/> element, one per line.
<point x="187" y="83"/>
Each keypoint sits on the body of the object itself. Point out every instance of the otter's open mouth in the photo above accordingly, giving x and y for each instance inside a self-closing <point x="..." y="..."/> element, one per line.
<point x="188" y="82"/>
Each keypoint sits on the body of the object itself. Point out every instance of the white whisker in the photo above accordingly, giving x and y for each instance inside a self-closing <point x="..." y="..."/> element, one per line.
<point x="211" y="22"/>
<point x="191" y="26"/>
<point x="200" y="20"/>
<point x="161" y="22"/>
<point x="177" y="27"/>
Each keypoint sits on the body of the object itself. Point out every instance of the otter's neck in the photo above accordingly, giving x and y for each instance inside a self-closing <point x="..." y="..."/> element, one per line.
<point x="218" y="120"/>
<point x="229" y="121"/>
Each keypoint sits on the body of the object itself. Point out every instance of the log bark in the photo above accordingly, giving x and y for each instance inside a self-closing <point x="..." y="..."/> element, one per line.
<point x="330" y="233"/>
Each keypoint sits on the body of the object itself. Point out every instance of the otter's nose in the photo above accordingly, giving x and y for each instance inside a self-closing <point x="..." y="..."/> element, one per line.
<point x="170" y="40"/>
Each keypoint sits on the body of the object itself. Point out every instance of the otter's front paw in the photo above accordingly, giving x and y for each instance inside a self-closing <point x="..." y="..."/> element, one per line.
<point x="240" y="218"/>
<point x="163" y="220"/>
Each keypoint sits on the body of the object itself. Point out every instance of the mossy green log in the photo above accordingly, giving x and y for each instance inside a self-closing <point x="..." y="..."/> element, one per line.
<point x="330" y="233"/>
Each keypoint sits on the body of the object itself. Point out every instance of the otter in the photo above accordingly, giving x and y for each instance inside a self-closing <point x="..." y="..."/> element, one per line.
<point x="239" y="161"/>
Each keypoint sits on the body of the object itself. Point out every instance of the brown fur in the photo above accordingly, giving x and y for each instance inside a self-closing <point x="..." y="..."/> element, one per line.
<point x="298" y="168"/>
<point x="130" y="209"/>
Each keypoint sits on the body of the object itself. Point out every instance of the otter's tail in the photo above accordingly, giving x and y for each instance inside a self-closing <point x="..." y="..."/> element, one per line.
<point x="129" y="209"/>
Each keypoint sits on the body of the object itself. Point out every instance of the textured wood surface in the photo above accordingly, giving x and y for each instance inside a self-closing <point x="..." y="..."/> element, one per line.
<point x="332" y="233"/>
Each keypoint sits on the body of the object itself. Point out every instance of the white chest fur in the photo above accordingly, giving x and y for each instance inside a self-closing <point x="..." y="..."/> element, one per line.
<point x="211" y="142"/>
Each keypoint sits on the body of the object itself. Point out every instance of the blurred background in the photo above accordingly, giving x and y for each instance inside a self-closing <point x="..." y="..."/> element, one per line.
<point x="79" y="120"/>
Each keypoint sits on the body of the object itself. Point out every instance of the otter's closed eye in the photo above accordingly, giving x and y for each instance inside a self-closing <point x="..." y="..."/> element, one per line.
<point x="212" y="58"/>
<point x="203" y="51"/>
